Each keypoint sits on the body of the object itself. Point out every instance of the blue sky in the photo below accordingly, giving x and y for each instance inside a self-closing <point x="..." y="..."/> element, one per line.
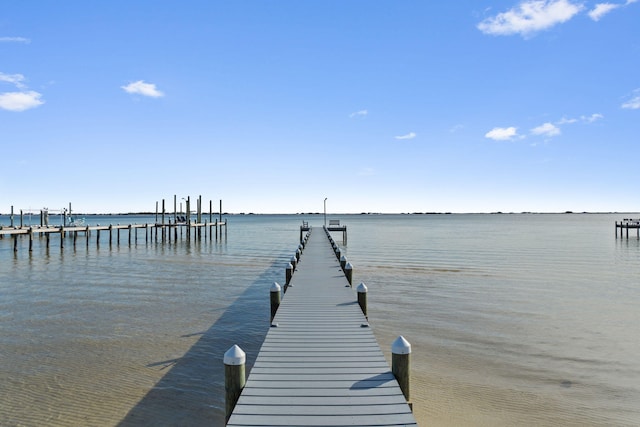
<point x="271" y="106"/>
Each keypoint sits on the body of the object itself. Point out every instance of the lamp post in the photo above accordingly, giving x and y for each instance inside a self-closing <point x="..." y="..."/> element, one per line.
<point x="325" y="211"/>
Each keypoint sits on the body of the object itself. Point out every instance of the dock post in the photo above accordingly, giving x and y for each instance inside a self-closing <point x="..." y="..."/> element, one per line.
<point x="11" y="217"/>
<point x="288" y="274"/>
<point x="129" y="236"/>
<point x="61" y="237"/>
<point x="362" y="298"/>
<point x="348" y="271"/>
<point x="275" y="297"/>
<point x="234" y="377"/>
<point x="110" y="234"/>
<point x="15" y="243"/>
<point x="343" y="262"/>
<point x="30" y="239"/>
<point x="401" y="364"/>
<point x="294" y="262"/>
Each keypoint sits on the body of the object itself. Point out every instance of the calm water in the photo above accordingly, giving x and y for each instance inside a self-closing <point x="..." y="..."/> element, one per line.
<point x="513" y="319"/>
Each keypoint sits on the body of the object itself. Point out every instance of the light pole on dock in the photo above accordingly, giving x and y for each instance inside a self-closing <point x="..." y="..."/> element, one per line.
<point x="325" y="211"/>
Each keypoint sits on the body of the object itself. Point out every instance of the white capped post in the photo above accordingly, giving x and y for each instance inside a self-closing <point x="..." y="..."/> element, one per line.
<point x="234" y="377"/>
<point x="401" y="364"/>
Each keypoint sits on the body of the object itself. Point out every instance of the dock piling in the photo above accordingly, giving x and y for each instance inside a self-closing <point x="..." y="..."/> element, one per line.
<point x="401" y="364"/>
<point x="234" y="377"/>
<point x="362" y="298"/>
<point x="275" y="299"/>
<point x="348" y="271"/>
<point x="288" y="275"/>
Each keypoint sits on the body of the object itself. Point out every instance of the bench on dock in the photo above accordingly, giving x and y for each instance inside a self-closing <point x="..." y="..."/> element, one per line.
<point x="334" y="223"/>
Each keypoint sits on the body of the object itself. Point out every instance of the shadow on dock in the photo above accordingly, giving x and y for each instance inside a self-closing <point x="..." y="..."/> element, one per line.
<point x="192" y="391"/>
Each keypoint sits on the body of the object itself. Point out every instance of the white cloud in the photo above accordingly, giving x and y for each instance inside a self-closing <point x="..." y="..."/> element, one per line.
<point x="592" y="118"/>
<point x="546" y="129"/>
<point x="634" y="102"/>
<point x="142" y="88"/>
<point x="14" y="40"/>
<point x="20" y="101"/>
<point x="602" y="9"/>
<point x="15" y="79"/>
<point x="502" y="134"/>
<point x="530" y="17"/>
<point x="566" y="121"/>
<point x="584" y="119"/>
<point x="359" y="113"/>
<point x="410" y="135"/>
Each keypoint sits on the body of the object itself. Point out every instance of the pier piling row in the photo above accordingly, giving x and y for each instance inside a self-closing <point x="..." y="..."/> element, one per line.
<point x="320" y="364"/>
<point x="151" y="232"/>
<point x="627" y="224"/>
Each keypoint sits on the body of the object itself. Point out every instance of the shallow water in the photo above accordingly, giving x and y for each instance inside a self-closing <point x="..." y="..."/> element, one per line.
<point x="513" y="319"/>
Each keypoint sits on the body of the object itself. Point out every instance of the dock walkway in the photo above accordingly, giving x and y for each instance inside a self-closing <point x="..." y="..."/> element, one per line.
<point x="321" y="364"/>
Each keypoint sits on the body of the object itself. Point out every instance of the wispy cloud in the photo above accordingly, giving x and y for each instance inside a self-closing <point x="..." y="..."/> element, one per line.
<point x="20" y="101"/>
<point x="546" y="129"/>
<point x="14" y="40"/>
<point x="634" y="101"/>
<point x="15" y="79"/>
<point x="583" y="119"/>
<point x="142" y="88"/>
<point x="602" y="9"/>
<point x="592" y="118"/>
<point x="502" y="134"/>
<point x="410" y="135"/>
<point x="361" y="113"/>
<point x="530" y="17"/>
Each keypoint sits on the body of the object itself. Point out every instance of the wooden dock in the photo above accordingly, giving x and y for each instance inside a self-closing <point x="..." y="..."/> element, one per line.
<point x="167" y="231"/>
<point x="320" y="364"/>
<point x="627" y="224"/>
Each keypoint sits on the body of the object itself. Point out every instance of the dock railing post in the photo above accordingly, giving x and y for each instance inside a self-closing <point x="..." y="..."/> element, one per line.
<point x="401" y="364"/>
<point x="234" y="377"/>
<point x="275" y="299"/>
<point x="288" y="275"/>
<point x="362" y="298"/>
<point x="348" y="271"/>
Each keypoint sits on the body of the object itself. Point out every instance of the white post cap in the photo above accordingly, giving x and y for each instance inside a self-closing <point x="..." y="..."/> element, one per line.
<point x="235" y="356"/>
<point x="401" y="346"/>
<point x="362" y="288"/>
<point x="290" y="266"/>
<point x="348" y="266"/>
<point x="275" y="287"/>
<point x="293" y="259"/>
<point x="343" y="258"/>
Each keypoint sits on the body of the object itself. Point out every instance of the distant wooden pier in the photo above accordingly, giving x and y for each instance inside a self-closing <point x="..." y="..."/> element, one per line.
<point x="167" y="226"/>
<point x="320" y="364"/>
<point x="153" y="231"/>
<point x="627" y="224"/>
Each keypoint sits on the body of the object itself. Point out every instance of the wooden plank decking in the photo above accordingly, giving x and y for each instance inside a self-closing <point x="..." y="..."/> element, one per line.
<point x="321" y="365"/>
